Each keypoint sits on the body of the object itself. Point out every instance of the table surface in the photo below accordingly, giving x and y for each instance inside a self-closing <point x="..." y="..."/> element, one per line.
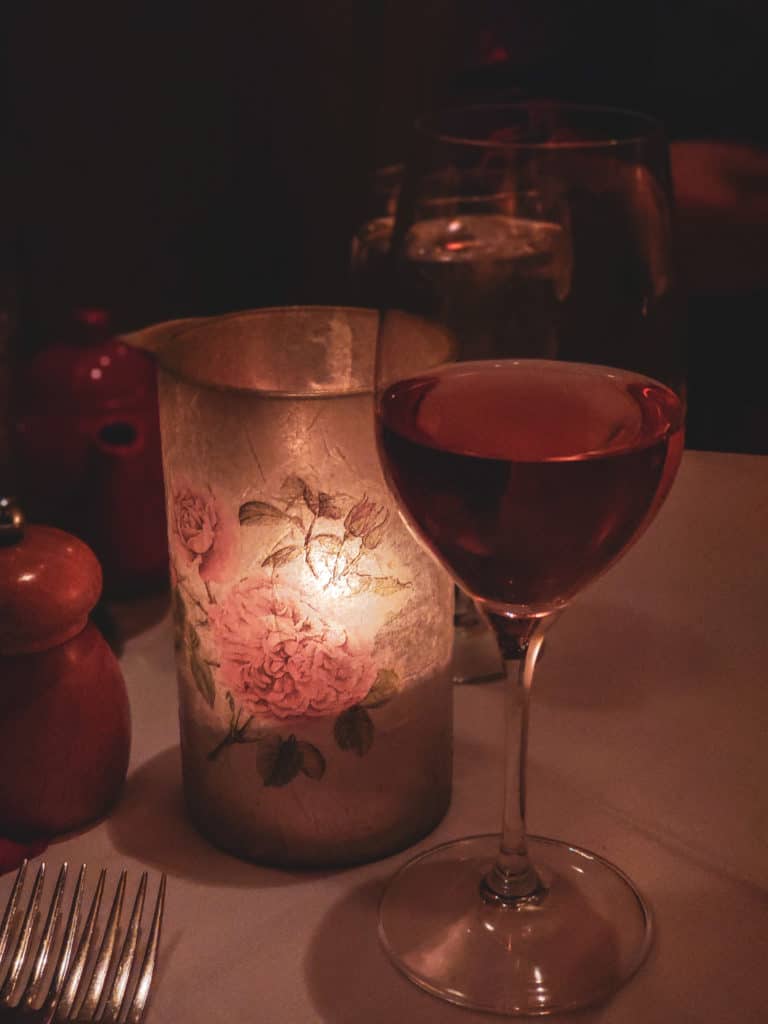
<point x="649" y="746"/>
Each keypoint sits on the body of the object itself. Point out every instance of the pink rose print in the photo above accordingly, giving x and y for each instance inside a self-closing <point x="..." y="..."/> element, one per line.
<point x="279" y="658"/>
<point x="204" y="536"/>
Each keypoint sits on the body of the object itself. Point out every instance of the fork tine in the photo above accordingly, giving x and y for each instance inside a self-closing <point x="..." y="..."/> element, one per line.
<point x="127" y="956"/>
<point x="90" y="1004"/>
<point x="73" y="981"/>
<point x="22" y="943"/>
<point x="10" y="911"/>
<point x="64" y="997"/>
<point x="140" y="996"/>
<point x="33" y="986"/>
<point x="68" y="942"/>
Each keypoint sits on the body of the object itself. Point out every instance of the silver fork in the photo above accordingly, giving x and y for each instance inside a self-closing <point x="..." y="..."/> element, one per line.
<point x="74" y="994"/>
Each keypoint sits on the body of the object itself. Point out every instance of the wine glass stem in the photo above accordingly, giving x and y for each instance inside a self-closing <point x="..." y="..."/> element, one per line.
<point x="513" y="878"/>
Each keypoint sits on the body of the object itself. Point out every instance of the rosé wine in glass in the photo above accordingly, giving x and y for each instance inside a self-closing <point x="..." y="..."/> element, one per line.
<point x="529" y="477"/>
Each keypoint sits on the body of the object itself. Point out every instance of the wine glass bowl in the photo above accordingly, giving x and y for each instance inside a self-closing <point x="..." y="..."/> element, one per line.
<point x="528" y="478"/>
<point x="528" y="446"/>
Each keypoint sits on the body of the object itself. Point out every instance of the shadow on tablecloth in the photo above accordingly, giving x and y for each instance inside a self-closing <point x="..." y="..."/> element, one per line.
<point x="641" y="657"/>
<point x="150" y="824"/>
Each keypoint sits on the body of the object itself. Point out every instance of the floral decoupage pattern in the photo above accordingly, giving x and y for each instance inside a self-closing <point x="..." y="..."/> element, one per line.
<point x="270" y="599"/>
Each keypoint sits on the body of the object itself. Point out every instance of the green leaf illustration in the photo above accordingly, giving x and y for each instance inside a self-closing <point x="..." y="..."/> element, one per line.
<point x="286" y="764"/>
<point x="253" y="512"/>
<point x="385" y="686"/>
<point x="267" y="747"/>
<point x="203" y="678"/>
<point x="353" y="730"/>
<point x="311" y="500"/>
<point x="312" y="761"/>
<point x="329" y="506"/>
<point x="282" y="556"/>
<point x="292" y="489"/>
<point x="383" y="585"/>
<point x="179" y="618"/>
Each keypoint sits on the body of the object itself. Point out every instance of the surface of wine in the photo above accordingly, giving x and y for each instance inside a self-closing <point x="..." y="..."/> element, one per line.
<point x="529" y="477"/>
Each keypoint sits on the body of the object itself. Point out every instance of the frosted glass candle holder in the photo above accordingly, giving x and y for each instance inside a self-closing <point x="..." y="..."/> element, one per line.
<point x="313" y="634"/>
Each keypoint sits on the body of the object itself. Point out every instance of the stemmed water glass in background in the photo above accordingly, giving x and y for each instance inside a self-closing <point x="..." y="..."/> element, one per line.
<point x="530" y="422"/>
<point x="545" y="227"/>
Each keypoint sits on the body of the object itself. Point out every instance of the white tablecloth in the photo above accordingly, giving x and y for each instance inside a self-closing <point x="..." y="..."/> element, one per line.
<point x="649" y="746"/>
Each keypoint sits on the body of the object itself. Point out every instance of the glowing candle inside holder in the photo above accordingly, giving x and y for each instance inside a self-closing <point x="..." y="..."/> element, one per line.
<point x="313" y="634"/>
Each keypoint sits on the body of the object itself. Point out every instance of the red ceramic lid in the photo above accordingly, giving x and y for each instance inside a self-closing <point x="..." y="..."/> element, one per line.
<point x="49" y="582"/>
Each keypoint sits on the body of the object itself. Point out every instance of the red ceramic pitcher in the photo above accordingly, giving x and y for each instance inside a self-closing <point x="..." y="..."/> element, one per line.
<point x="87" y="446"/>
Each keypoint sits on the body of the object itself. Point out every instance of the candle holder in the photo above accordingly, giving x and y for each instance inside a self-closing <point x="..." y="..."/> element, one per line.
<point x="313" y="634"/>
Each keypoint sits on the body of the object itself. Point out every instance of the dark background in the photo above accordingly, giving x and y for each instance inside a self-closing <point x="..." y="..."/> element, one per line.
<point x="165" y="162"/>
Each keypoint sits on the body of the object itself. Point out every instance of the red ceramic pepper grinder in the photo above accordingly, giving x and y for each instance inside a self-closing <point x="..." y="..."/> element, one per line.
<point x="64" y="714"/>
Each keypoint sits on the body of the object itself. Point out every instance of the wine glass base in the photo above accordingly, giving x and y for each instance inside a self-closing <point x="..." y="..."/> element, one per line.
<point x="574" y="947"/>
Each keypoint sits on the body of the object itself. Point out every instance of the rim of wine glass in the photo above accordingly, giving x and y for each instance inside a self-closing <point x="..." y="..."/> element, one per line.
<point x="428" y="126"/>
<point x="166" y="361"/>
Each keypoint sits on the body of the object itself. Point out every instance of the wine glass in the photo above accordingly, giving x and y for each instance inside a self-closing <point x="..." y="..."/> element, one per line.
<point x="530" y="423"/>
